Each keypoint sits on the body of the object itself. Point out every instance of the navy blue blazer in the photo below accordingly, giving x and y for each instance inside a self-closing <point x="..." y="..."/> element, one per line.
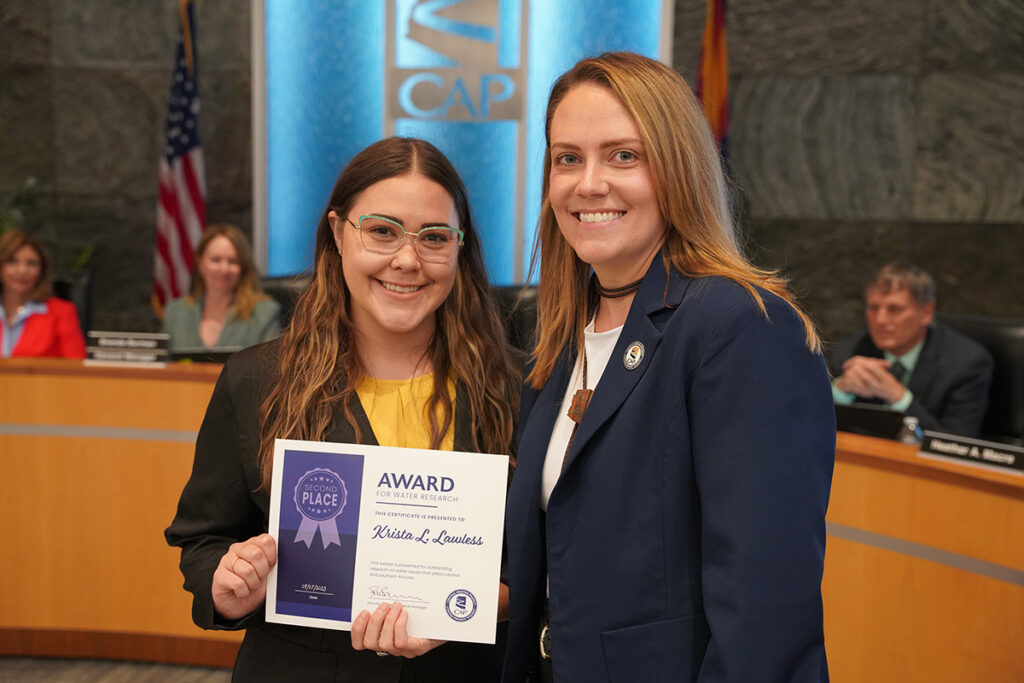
<point x="685" y="538"/>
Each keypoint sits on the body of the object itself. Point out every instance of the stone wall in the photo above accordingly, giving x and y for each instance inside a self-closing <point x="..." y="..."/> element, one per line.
<point x="82" y="107"/>
<point x="861" y="132"/>
<point x="868" y="131"/>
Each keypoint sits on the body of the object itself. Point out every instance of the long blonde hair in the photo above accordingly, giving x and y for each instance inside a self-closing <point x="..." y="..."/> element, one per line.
<point x="247" y="292"/>
<point x="319" y="365"/>
<point x="692" y="196"/>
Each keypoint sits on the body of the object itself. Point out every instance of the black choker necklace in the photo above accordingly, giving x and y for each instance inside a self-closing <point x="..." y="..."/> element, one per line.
<point x="616" y="292"/>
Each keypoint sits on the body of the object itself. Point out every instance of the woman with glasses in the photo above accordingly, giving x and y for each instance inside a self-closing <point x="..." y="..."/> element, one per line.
<point x="666" y="517"/>
<point x="396" y="342"/>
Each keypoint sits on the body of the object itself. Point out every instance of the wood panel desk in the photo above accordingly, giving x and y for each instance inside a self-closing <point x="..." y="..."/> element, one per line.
<point x="92" y="461"/>
<point x="924" y="568"/>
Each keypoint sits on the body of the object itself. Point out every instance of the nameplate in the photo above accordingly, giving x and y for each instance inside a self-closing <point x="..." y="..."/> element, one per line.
<point x="987" y="454"/>
<point x="134" y="349"/>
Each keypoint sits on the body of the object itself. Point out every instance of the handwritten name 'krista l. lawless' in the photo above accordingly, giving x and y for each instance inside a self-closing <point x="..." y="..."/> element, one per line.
<point x="441" y="538"/>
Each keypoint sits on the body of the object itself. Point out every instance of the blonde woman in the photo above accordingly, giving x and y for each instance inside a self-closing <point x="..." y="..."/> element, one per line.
<point x="666" y="521"/>
<point x="226" y="309"/>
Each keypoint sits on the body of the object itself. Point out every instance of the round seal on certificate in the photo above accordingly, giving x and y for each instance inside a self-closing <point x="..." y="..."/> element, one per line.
<point x="320" y="496"/>
<point x="460" y="605"/>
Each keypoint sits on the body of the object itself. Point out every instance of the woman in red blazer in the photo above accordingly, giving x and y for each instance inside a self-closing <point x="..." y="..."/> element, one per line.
<point x="33" y="322"/>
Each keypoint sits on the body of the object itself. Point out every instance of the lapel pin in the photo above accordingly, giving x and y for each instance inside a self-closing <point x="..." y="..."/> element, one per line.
<point x="634" y="356"/>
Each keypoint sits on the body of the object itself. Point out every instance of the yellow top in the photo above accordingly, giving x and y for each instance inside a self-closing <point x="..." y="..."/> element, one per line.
<point x="397" y="410"/>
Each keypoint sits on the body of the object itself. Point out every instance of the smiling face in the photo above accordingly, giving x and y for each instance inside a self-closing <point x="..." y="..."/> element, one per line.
<point x="219" y="266"/>
<point x="20" y="273"/>
<point x="395" y="296"/>
<point x="896" y="321"/>
<point x="600" y="185"/>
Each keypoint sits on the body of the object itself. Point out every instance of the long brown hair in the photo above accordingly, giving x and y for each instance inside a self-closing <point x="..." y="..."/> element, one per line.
<point x="13" y="240"/>
<point x="319" y="365"/>
<point x="247" y="292"/>
<point x="692" y="195"/>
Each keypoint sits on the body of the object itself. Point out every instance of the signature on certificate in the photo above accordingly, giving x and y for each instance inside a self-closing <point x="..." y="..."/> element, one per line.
<point x="384" y="593"/>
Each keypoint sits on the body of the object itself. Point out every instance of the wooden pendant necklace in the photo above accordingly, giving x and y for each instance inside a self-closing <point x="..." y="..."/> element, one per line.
<point x="580" y="401"/>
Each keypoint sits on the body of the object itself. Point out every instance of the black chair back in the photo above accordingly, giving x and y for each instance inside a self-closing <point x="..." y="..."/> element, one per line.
<point x="1004" y="339"/>
<point x="286" y="291"/>
<point x="518" y="306"/>
<point x="76" y="286"/>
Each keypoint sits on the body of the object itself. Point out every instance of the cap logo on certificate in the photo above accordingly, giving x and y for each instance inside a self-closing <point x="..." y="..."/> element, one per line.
<point x="358" y="525"/>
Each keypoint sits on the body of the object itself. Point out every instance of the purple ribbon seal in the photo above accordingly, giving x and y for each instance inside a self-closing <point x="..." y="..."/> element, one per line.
<point x="320" y="496"/>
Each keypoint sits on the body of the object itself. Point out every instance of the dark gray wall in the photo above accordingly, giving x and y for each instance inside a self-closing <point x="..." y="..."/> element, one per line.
<point x="873" y="130"/>
<point x="82" y="106"/>
<point x="861" y="132"/>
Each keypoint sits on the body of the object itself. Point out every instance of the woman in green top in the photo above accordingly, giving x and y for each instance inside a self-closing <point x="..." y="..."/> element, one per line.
<point x="226" y="309"/>
<point x="397" y="341"/>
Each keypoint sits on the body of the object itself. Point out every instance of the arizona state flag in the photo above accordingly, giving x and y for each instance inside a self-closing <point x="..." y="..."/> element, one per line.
<point x="713" y="74"/>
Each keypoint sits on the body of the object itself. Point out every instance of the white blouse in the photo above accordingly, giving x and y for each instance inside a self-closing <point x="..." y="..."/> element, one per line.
<point x="599" y="347"/>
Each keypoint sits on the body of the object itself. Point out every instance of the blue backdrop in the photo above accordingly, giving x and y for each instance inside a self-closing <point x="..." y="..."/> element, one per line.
<point x="471" y="76"/>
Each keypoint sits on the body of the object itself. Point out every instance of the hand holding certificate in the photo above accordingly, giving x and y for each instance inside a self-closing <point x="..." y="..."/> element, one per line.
<point x="386" y="631"/>
<point x="359" y="526"/>
<point x="240" y="581"/>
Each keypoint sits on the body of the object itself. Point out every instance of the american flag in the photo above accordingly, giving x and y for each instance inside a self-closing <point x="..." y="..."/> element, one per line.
<point x="181" y="209"/>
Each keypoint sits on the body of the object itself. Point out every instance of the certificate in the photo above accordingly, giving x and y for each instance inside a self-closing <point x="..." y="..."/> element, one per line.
<point x="358" y="525"/>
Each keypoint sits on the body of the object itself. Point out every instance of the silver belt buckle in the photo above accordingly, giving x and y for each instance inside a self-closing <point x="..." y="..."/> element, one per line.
<point x="545" y="642"/>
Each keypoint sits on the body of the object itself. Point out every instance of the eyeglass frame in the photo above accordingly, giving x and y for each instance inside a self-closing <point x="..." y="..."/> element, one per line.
<point x="406" y="234"/>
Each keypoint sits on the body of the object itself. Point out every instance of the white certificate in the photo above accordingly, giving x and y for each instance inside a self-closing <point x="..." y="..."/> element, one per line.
<point x="357" y="525"/>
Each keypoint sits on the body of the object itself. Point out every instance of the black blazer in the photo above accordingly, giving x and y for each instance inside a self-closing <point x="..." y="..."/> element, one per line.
<point x="950" y="382"/>
<point x="220" y="506"/>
